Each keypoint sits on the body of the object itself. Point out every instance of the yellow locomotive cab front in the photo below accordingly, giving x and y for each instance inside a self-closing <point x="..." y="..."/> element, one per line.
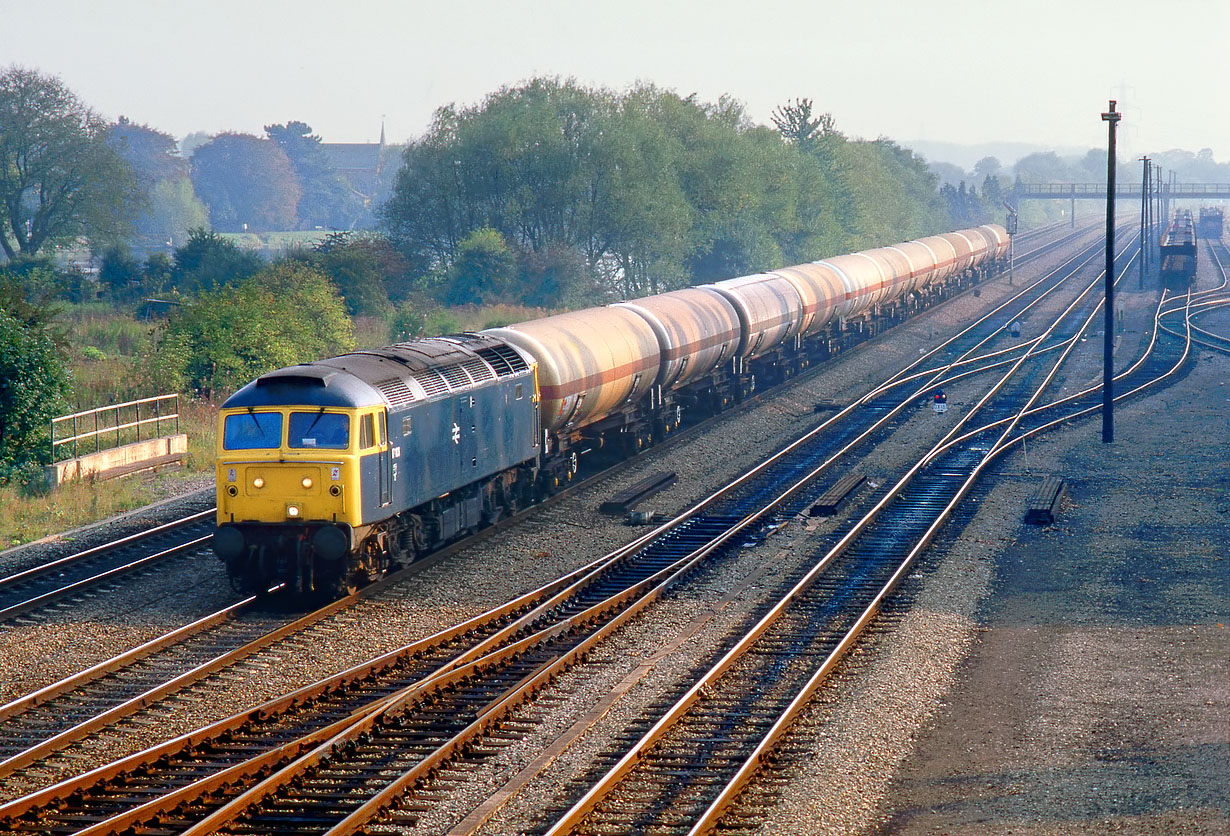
<point x="288" y="465"/>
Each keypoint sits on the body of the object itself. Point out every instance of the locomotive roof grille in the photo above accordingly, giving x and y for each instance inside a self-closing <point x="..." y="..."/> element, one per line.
<point x="504" y="359"/>
<point x="456" y="377"/>
<point x="478" y="370"/>
<point x="397" y="392"/>
<point x="433" y="382"/>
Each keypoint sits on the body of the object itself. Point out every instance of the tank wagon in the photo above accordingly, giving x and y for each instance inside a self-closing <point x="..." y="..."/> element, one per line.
<point x="330" y="472"/>
<point x="1178" y="251"/>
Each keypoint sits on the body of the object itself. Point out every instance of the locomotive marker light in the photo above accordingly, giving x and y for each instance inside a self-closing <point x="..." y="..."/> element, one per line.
<point x="1108" y="377"/>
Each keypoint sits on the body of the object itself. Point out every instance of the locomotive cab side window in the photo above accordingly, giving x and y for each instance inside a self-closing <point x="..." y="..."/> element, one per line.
<point x="252" y="431"/>
<point x="319" y="429"/>
<point x="367" y="431"/>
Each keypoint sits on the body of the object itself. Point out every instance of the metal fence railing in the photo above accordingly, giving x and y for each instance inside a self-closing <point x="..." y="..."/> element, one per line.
<point x="115" y="425"/>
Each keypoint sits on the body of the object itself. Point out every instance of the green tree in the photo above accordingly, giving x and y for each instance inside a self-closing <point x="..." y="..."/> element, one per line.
<point x="33" y="382"/>
<point x="247" y="183"/>
<point x="357" y="265"/>
<point x="288" y="313"/>
<point x="121" y="274"/>
<point x="483" y="271"/>
<point x="171" y="206"/>
<point x="207" y="260"/>
<point x="59" y="177"/>
<point x="797" y="124"/>
<point x="644" y="192"/>
<point x="987" y="167"/>
<point x="325" y="200"/>
<point x="156" y="274"/>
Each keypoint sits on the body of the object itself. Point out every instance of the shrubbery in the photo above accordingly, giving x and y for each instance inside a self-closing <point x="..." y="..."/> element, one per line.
<point x="287" y="313"/>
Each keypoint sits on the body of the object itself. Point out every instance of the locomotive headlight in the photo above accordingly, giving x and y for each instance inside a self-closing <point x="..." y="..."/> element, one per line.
<point x="307" y="482"/>
<point x="292" y="511"/>
<point x="258" y="482"/>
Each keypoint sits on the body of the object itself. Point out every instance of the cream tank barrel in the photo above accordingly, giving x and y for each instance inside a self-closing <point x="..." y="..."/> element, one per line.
<point x="697" y="331"/>
<point x="589" y="361"/>
<point x="770" y="310"/>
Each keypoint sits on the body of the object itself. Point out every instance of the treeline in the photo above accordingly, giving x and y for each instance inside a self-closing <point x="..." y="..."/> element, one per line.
<point x="555" y="193"/>
<point x="549" y="194"/>
<point x="67" y="176"/>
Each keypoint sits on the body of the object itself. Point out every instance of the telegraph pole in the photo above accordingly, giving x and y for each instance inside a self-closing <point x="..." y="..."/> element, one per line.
<point x="1144" y="218"/>
<point x="1108" y="371"/>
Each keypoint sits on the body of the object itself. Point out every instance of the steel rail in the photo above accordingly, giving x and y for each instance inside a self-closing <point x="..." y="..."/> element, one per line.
<point x="41" y="599"/>
<point x="583" y="807"/>
<point x="729" y="794"/>
<point x="60" y="563"/>
<point x="116" y="663"/>
<point x="647" y="535"/>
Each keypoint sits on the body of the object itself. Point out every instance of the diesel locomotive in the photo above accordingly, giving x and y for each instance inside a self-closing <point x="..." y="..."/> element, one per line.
<point x="330" y="472"/>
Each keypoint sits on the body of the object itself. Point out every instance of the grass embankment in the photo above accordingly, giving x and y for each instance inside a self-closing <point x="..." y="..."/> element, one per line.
<point x="25" y="516"/>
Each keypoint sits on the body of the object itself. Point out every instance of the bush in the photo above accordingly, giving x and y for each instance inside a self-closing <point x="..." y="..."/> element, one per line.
<point x="440" y="321"/>
<point x="288" y="313"/>
<point x="33" y="385"/>
<point x="208" y="260"/>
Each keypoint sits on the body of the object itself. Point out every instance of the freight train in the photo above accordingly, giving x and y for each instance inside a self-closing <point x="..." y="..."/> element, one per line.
<point x="1178" y="252"/>
<point x="330" y="472"/>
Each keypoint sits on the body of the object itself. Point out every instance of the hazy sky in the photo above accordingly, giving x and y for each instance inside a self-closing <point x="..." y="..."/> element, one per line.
<point x="967" y="71"/>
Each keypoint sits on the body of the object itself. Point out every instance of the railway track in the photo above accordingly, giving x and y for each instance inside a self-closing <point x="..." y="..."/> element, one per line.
<point x="1206" y="302"/>
<point x="688" y="771"/>
<point x="369" y="706"/>
<point x="158" y="654"/>
<point x="51" y="583"/>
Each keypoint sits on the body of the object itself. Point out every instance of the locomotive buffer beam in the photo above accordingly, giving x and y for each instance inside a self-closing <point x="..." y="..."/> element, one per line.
<point x="628" y="499"/>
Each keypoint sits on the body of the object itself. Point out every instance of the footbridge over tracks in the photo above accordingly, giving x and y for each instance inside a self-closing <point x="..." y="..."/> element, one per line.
<point x="1126" y="192"/>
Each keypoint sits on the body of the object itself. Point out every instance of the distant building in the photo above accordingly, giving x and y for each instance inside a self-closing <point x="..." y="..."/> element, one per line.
<point x="363" y="166"/>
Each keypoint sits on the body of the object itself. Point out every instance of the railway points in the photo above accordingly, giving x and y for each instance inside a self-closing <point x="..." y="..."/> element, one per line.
<point x="1048" y="349"/>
